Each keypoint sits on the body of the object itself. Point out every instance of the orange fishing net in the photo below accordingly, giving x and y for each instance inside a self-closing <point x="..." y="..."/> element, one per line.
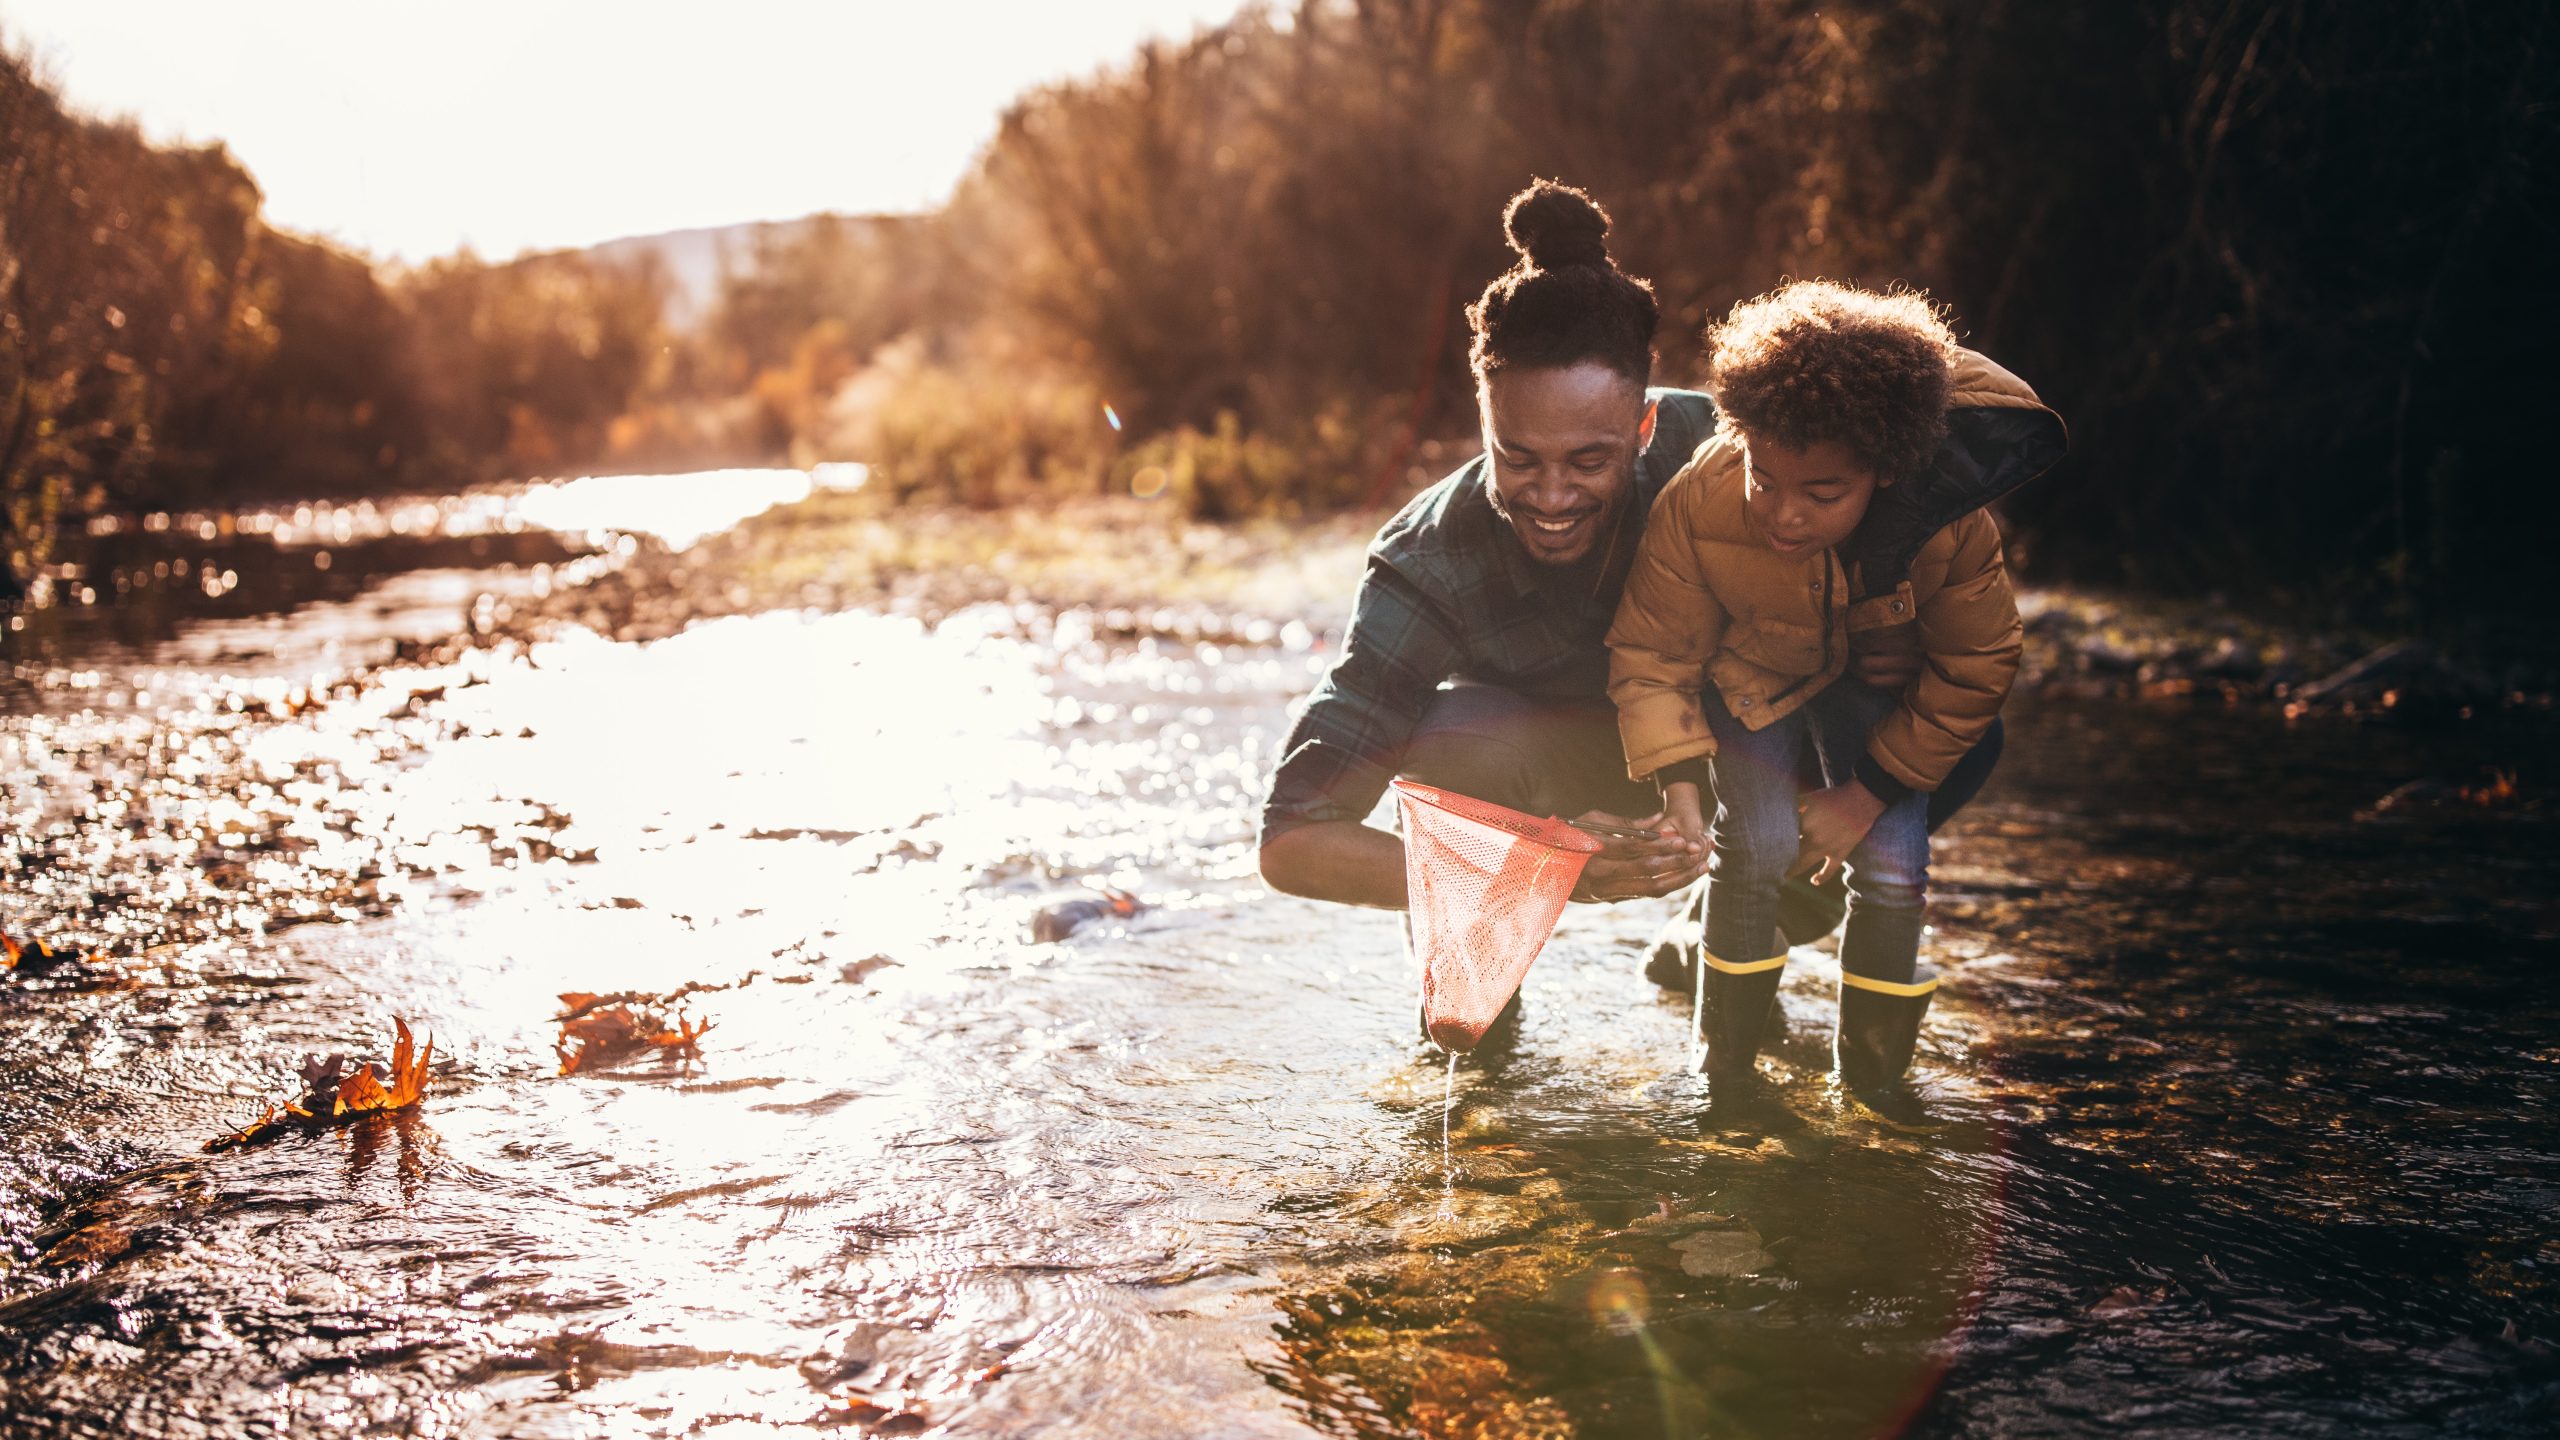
<point x="1483" y="887"/>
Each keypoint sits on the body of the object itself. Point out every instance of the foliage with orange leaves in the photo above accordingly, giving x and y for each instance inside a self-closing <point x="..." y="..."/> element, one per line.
<point x="595" y="1028"/>
<point x="333" y="1093"/>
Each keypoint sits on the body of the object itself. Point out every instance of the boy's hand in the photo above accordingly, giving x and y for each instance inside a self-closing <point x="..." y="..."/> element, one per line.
<point x="1681" y="807"/>
<point x="1833" y="822"/>
<point x="1635" y="869"/>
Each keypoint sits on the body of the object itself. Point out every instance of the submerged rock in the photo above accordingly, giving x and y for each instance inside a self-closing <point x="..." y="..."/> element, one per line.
<point x="1060" y="918"/>
<point x="1722" y="1254"/>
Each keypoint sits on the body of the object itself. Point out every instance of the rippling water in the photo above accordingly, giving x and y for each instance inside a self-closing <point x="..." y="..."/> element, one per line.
<point x="2249" y="1094"/>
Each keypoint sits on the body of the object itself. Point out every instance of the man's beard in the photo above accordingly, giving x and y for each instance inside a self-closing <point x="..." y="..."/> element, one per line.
<point x="1596" y="535"/>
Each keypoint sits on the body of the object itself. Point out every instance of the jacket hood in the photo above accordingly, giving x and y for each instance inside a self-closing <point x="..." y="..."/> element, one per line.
<point x="1999" y="437"/>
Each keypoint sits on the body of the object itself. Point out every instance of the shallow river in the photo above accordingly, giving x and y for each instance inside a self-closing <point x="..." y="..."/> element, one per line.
<point x="2251" y="1091"/>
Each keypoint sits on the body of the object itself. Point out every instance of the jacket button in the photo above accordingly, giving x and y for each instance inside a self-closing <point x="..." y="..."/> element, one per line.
<point x="1897" y="607"/>
<point x="1746" y="702"/>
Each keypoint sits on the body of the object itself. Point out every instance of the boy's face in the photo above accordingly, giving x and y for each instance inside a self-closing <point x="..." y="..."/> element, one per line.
<point x="1561" y="446"/>
<point x="1804" y="500"/>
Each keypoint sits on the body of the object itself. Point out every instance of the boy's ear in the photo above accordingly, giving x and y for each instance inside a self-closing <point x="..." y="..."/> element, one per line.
<point x="1644" y="431"/>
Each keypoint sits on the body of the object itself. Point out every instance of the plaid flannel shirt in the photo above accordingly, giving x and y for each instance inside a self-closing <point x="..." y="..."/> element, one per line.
<point x="1449" y="594"/>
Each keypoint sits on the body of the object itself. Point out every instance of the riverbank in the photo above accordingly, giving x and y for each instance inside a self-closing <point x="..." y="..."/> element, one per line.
<point x="1146" y="569"/>
<point x="1142" y="567"/>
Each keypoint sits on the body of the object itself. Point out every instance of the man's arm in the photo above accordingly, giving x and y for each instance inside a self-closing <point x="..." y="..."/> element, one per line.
<point x="1344" y="747"/>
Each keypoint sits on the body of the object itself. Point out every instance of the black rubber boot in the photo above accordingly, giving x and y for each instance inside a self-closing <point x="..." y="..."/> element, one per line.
<point x="1735" y="1011"/>
<point x="1806" y="913"/>
<point x="1879" y="1026"/>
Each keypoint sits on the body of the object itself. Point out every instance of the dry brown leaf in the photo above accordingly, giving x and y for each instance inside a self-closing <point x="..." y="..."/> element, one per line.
<point x="331" y="1092"/>
<point x="592" y="1032"/>
<point x="35" y="957"/>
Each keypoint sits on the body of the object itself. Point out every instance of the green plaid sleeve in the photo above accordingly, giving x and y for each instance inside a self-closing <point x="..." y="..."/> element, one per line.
<point x="1346" y="743"/>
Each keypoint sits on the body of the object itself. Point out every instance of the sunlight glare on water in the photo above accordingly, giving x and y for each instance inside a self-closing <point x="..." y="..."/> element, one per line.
<point x="677" y="509"/>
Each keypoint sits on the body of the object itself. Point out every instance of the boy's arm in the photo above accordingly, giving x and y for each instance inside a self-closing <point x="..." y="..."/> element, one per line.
<point x="1668" y="624"/>
<point x="1970" y="640"/>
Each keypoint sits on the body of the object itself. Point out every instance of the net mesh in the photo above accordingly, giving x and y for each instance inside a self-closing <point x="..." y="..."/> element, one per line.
<point x="1484" y="886"/>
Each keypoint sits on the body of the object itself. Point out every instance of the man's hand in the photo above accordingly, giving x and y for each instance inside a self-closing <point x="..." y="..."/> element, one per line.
<point x="1888" y="658"/>
<point x="1833" y="822"/>
<point x="1634" y="869"/>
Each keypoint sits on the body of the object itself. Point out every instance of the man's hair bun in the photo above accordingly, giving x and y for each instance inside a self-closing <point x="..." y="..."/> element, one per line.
<point x="1564" y="300"/>
<point x="1556" y="225"/>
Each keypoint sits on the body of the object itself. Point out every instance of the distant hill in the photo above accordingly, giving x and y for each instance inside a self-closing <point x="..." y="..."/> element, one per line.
<point x="695" y="258"/>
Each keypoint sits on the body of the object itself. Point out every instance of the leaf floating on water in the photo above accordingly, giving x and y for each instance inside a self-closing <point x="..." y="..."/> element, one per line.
<point x="265" y="1127"/>
<point x="35" y="957"/>
<point x="332" y="1092"/>
<point x="365" y="1090"/>
<point x="598" y="1028"/>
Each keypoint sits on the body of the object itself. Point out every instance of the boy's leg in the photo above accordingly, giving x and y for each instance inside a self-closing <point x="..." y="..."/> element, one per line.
<point x="1743" y="957"/>
<point x="1754" y="829"/>
<point x="1882" y="995"/>
<point x="1888" y="889"/>
<point x="1807" y="912"/>
<point x="1888" y="872"/>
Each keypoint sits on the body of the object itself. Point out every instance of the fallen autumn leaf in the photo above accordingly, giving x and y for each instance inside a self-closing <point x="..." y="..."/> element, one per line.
<point x="331" y="1092"/>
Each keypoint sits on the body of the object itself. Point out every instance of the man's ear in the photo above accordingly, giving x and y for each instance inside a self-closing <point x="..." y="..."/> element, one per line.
<point x="1644" y="431"/>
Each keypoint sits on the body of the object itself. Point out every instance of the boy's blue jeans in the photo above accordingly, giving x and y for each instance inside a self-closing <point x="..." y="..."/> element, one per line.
<point x="1756" y="837"/>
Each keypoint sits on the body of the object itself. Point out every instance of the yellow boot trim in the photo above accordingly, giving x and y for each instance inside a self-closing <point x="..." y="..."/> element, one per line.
<point x="1889" y="987"/>
<point x="1745" y="967"/>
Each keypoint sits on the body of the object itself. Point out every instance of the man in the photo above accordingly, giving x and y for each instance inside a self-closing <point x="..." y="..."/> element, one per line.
<point x="1476" y="658"/>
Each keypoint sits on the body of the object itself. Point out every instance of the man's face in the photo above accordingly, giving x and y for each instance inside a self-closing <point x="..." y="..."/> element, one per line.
<point x="1807" y="499"/>
<point x="1561" y="446"/>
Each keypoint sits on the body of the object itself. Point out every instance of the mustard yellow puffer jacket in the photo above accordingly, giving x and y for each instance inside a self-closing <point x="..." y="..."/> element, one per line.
<point x="1709" y="600"/>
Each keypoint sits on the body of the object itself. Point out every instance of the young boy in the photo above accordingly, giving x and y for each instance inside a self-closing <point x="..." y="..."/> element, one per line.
<point x="1727" y="653"/>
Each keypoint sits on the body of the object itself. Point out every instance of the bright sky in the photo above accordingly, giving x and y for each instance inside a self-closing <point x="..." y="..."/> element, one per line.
<point x="406" y="128"/>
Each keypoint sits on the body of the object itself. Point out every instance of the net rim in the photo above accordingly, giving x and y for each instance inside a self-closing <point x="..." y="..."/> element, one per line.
<point x="1549" y="831"/>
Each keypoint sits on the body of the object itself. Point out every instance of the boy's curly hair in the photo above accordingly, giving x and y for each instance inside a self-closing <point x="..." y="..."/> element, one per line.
<point x="1812" y="361"/>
